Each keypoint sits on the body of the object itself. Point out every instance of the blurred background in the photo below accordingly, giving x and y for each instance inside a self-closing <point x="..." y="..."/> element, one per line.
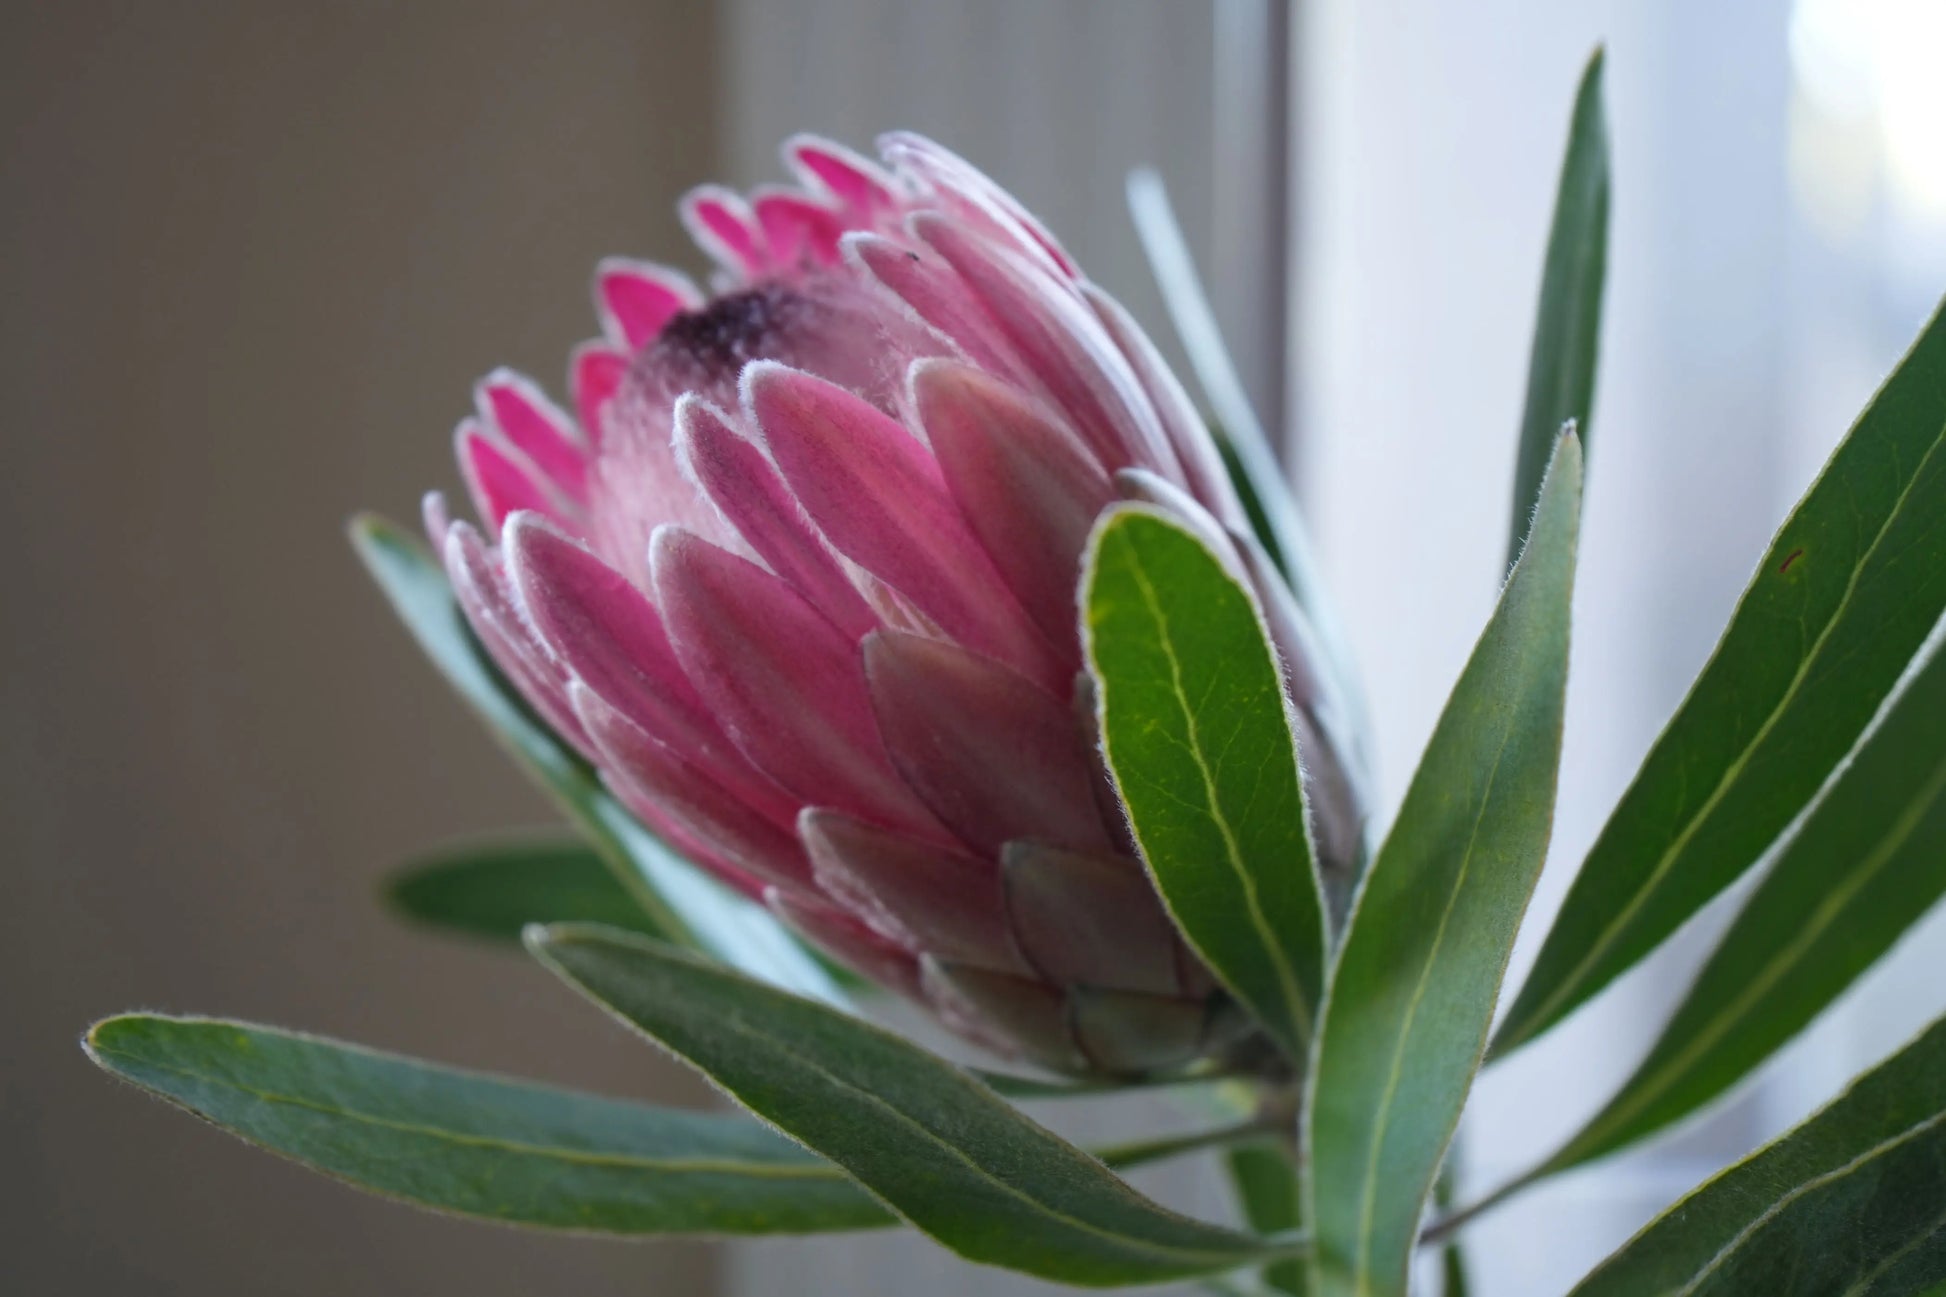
<point x="256" y="252"/>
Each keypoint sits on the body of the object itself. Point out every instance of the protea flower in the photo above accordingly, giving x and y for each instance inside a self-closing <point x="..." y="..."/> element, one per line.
<point x="799" y="580"/>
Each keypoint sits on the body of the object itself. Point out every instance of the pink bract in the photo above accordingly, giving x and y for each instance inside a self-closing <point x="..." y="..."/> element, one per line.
<point x="798" y="578"/>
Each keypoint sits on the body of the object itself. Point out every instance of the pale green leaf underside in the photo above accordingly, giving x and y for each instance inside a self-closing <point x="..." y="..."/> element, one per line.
<point x="1410" y="1000"/>
<point x="479" y="1145"/>
<point x="922" y="1135"/>
<point x="500" y="1149"/>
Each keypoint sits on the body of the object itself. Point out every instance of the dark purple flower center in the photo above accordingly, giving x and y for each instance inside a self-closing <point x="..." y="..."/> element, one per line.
<point x="710" y="345"/>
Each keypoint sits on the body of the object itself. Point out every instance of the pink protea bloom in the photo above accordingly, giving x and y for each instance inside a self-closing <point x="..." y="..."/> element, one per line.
<point x="798" y="578"/>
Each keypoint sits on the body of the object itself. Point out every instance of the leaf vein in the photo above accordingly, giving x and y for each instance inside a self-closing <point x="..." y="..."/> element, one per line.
<point x="1286" y="975"/>
<point x="1611" y="931"/>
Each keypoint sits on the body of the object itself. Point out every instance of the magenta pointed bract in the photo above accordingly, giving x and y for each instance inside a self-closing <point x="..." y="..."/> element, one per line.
<point x="798" y="577"/>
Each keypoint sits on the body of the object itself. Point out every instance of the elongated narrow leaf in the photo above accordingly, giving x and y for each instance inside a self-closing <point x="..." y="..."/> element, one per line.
<point x="480" y="1145"/>
<point x="502" y="1149"/>
<point x="680" y="901"/>
<point x="1264" y="1176"/>
<point x="1567" y="328"/>
<point x="925" y="1137"/>
<point x="1853" y="1201"/>
<point x="1848" y="592"/>
<point x="1411" y="997"/>
<point x="494" y="889"/>
<point x="1197" y="735"/>
<point x="1864" y="867"/>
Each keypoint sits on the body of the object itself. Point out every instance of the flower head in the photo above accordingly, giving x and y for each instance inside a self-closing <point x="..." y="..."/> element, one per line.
<point x="798" y="578"/>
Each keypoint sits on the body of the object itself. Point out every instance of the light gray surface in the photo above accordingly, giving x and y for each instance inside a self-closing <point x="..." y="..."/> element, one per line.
<point x="1734" y="357"/>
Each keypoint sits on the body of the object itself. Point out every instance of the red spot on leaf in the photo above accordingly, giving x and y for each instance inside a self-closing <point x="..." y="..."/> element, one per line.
<point x="1790" y="559"/>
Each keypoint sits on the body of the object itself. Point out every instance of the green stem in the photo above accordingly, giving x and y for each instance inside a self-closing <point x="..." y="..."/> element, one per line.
<point x="1167" y="1146"/>
<point x="1027" y="1087"/>
<point x="1453" y="1221"/>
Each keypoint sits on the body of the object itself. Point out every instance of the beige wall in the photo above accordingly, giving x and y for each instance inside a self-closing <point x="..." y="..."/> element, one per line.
<point x="254" y="255"/>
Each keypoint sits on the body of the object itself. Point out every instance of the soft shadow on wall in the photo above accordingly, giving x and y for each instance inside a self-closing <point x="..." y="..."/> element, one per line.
<point x="255" y="257"/>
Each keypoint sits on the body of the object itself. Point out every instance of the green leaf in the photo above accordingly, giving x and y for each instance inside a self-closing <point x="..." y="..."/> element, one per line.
<point x="494" y="889"/>
<point x="1853" y="1201"/>
<point x="1864" y="866"/>
<point x="1196" y="733"/>
<point x="1264" y="489"/>
<point x="1411" y="997"/>
<point x="502" y="1149"/>
<point x="1852" y="585"/>
<point x="931" y="1141"/>
<point x="1014" y="1086"/>
<point x="1452" y="1257"/>
<point x="479" y="1145"/>
<point x="680" y="901"/>
<point x="1567" y="328"/>
<point x="1262" y="525"/>
<point x="1265" y="1179"/>
<point x="1233" y="1287"/>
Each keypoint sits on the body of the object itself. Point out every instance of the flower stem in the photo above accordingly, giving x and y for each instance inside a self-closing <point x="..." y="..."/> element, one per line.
<point x="1453" y="1221"/>
<point x="1166" y="1146"/>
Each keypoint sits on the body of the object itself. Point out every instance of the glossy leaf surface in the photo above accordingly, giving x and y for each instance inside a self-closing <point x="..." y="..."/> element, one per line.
<point x="1197" y="737"/>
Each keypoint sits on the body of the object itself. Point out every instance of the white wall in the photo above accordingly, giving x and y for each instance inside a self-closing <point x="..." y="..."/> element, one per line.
<point x="1734" y="356"/>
